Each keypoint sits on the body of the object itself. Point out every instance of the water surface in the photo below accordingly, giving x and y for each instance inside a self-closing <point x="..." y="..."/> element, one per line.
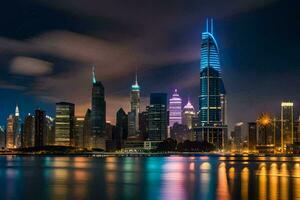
<point x="203" y="177"/>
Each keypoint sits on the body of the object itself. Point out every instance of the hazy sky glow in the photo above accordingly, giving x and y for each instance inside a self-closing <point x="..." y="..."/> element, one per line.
<point x="47" y="49"/>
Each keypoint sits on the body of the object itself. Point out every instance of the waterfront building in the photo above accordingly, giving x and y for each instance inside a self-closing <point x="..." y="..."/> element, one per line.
<point x="98" y="114"/>
<point x="121" y="128"/>
<point x="287" y="124"/>
<point x="40" y="128"/>
<point x="28" y="131"/>
<point x="175" y="109"/>
<point x="87" y="130"/>
<point x="237" y="136"/>
<point x="188" y="114"/>
<point x="79" y="132"/>
<point x="13" y="130"/>
<point x="252" y="136"/>
<point x="143" y="121"/>
<point x="157" y="117"/>
<point x="133" y="115"/>
<point x="212" y="99"/>
<point x="64" y="124"/>
<point x="50" y="131"/>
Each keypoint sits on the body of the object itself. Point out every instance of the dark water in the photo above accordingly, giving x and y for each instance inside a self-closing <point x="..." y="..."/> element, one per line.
<point x="149" y="178"/>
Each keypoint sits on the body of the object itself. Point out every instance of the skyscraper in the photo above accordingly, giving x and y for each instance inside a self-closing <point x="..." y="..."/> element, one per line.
<point x="121" y="128"/>
<point x="287" y="124"/>
<point x="133" y="115"/>
<point x="188" y="114"/>
<point x="40" y="128"/>
<point x="252" y="136"/>
<point x="87" y="130"/>
<point x="64" y="124"/>
<point x="79" y="132"/>
<point x="175" y="109"/>
<point x="29" y="131"/>
<point x="98" y="114"/>
<point x="2" y="137"/>
<point x="157" y="117"/>
<point x="212" y="93"/>
<point x="13" y="130"/>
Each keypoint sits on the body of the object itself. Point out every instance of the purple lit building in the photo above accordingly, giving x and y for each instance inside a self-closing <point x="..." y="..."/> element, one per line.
<point x="175" y="109"/>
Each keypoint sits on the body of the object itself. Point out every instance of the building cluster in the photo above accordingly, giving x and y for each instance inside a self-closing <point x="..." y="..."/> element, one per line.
<point x="135" y="130"/>
<point x="269" y="134"/>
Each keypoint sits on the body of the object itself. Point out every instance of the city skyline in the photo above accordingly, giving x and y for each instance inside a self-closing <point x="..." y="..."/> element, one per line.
<point x="27" y="87"/>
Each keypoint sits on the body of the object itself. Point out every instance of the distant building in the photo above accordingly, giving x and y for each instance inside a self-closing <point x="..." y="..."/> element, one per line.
<point x="50" y="131"/>
<point x="133" y="115"/>
<point x="79" y="132"/>
<point x="179" y="132"/>
<point x="252" y="136"/>
<point x="87" y="130"/>
<point x="29" y="131"/>
<point x="175" y="109"/>
<point x="236" y="136"/>
<point x="157" y="117"/>
<point x="143" y="121"/>
<point x="212" y="99"/>
<point x="287" y="124"/>
<point x="64" y="124"/>
<point x="2" y="138"/>
<point x="13" y="130"/>
<point x="40" y="128"/>
<point x="188" y="114"/>
<point x="98" y="114"/>
<point x="121" y="128"/>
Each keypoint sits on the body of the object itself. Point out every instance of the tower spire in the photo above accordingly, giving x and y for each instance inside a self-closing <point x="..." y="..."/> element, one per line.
<point x="17" y="113"/>
<point x="136" y="78"/>
<point x="207" y="24"/>
<point x="94" y="76"/>
<point x="212" y="26"/>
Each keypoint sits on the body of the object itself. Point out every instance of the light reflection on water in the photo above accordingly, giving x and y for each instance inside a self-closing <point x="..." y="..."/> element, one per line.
<point x="204" y="177"/>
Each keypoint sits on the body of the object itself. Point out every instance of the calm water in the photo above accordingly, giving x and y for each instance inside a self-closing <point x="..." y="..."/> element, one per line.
<point x="148" y="178"/>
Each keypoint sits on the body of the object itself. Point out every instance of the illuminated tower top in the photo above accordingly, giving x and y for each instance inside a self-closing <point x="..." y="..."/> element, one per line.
<point x="94" y="76"/>
<point x="17" y="113"/>
<point x="135" y="86"/>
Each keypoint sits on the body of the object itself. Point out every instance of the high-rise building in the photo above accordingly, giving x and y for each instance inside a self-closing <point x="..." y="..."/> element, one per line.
<point x="121" y="128"/>
<point x="29" y="131"/>
<point x="236" y="135"/>
<point x="133" y="115"/>
<point x="252" y="136"/>
<point x="2" y="138"/>
<point x="143" y="121"/>
<point x="157" y="117"/>
<point x="50" y="131"/>
<point x="40" y="128"/>
<point x="98" y="114"/>
<point x="212" y="99"/>
<point x="64" y="124"/>
<point x="175" y="109"/>
<point x="87" y="130"/>
<point x="79" y="132"/>
<point x="287" y="124"/>
<point x="13" y="130"/>
<point x="188" y="114"/>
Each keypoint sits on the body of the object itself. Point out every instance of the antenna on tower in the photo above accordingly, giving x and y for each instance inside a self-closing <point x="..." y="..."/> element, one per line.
<point x="212" y="26"/>
<point x="206" y="24"/>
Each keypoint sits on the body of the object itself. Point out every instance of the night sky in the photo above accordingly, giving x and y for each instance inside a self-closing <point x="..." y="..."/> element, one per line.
<point x="48" y="48"/>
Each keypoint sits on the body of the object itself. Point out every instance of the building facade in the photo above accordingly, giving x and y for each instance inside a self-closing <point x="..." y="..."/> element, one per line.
<point x="79" y="132"/>
<point x="287" y="124"/>
<point x="40" y="128"/>
<point x="188" y="115"/>
<point x="157" y="117"/>
<point x="175" y="109"/>
<point x="64" y="124"/>
<point x="29" y="131"/>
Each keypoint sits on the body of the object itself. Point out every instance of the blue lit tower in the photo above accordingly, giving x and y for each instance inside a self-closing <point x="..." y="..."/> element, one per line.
<point x="133" y="115"/>
<point x="98" y="114"/>
<point x="212" y="99"/>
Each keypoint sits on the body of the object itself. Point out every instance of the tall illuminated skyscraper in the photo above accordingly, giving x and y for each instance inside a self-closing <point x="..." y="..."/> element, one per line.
<point x="98" y="114"/>
<point x="13" y="130"/>
<point x="133" y="115"/>
<point x="175" y="109"/>
<point x="287" y="124"/>
<point x="212" y="93"/>
<point x="64" y="124"/>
